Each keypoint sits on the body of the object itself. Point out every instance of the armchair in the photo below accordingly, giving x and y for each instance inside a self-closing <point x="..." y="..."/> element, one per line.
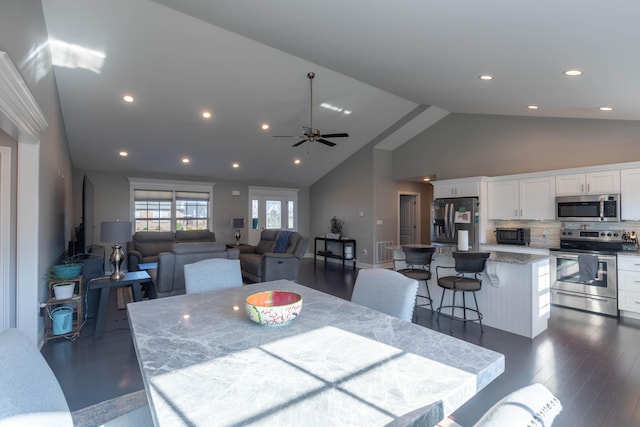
<point x="276" y="256"/>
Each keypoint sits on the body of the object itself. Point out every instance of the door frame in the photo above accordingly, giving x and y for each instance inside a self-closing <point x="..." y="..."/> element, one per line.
<point x="22" y="119"/>
<point x="416" y="215"/>
<point x="262" y="193"/>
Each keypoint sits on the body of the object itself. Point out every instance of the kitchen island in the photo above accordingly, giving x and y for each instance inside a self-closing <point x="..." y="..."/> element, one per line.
<point x="515" y="295"/>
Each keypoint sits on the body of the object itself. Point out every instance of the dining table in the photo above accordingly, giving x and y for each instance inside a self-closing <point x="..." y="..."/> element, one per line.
<point x="205" y="363"/>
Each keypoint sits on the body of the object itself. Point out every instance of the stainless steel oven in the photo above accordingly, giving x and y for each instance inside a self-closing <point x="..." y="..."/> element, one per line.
<point x="584" y="273"/>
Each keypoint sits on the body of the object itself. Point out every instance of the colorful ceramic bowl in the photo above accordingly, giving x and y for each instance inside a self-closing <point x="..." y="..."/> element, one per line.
<point x="273" y="307"/>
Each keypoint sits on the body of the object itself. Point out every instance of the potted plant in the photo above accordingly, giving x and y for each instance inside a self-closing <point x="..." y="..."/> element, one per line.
<point x="336" y="228"/>
<point x="65" y="271"/>
<point x="63" y="290"/>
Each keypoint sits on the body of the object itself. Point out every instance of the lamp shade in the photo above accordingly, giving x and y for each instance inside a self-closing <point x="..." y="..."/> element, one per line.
<point x="237" y="223"/>
<point x="115" y="231"/>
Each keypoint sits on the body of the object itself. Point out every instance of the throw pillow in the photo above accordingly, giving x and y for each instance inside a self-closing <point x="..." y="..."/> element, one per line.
<point x="282" y="243"/>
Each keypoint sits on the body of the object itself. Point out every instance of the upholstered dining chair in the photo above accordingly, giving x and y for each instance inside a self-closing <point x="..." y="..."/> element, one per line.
<point x="31" y="395"/>
<point x="418" y="266"/>
<point x="387" y="291"/>
<point x="212" y="274"/>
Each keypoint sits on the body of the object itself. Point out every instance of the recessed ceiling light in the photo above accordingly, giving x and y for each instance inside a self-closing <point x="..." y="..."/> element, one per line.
<point x="573" y="73"/>
<point x="427" y="179"/>
<point x="297" y="161"/>
<point x="486" y="77"/>
<point x="606" y="108"/>
<point x="206" y="114"/>
<point x="185" y="160"/>
<point x="128" y="98"/>
<point x="123" y="154"/>
<point x="236" y="165"/>
<point x="532" y="107"/>
<point x="264" y="126"/>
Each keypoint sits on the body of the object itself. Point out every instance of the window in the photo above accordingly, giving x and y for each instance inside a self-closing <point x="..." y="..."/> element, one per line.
<point x="170" y="206"/>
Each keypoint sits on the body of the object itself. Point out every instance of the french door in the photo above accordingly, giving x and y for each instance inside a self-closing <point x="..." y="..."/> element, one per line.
<point x="271" y="209"/>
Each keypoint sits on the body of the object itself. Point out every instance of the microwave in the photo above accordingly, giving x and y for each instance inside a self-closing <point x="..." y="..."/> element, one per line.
<point x="513" y="236"/>
<point x="604" y="207"/>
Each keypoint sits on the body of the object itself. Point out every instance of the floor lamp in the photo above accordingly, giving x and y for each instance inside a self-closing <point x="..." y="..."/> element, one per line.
<point x="116" y="232"/>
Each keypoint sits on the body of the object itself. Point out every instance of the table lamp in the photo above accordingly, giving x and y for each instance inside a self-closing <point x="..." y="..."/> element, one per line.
<point x="116" y="232"/>
<point x="237" y="223"/>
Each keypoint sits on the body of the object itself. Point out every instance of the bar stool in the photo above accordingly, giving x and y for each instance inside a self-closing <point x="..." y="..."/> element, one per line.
<point x="468" y="267"/>
<point x="418" y="267"/>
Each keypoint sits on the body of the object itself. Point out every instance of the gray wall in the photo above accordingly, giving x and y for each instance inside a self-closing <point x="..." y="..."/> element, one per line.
<point x="111" y="201"/>
<point x="23" y="36"/>
<point x="465" y="145"/>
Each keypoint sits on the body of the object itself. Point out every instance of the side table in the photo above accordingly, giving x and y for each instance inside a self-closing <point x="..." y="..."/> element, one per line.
<point x="131" y="278"/>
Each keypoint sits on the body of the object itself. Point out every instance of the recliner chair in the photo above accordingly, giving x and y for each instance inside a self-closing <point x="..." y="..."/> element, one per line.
<point x="276" y="256"/>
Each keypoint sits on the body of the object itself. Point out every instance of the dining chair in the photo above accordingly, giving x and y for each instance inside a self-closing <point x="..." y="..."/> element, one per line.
<point x="387" y="291"/>
<point x="212" y="274"/>
<point x="418" y="267"/>
<point x="32" y="396"/>
<point x="468" y="267"/>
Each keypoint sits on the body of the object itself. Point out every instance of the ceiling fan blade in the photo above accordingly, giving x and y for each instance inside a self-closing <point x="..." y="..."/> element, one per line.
<point x="325" y="142"/>
<point x="298" y="143"/>
<point x="335" y="135"/>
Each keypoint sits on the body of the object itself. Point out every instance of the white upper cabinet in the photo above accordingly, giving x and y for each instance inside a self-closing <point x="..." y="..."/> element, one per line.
<point x="630" y="194"/>
<point x="604" y="182"/>
<point x="525" y="199"/>
<point x="455" y="188"/>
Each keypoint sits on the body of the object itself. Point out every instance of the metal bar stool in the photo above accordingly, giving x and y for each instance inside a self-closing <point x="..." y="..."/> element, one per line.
<point x="468" y="267"/>
<point x="418" y="267"/>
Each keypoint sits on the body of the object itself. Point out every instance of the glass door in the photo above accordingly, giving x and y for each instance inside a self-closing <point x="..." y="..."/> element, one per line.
<point x="271" y="212"/>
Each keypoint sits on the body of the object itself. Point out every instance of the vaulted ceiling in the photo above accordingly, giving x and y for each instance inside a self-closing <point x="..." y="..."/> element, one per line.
<point x="246" y="62"/>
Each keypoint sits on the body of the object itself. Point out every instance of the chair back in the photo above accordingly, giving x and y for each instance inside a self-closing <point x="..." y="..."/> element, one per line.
<point x="418" y="256"/>
<point x="387" y="291"/>
<point x="470" y="262"/>
<point x="212" y="274"/>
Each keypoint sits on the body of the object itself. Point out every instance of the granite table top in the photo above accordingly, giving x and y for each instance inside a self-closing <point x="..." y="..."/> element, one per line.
<point x="204" y="362"/>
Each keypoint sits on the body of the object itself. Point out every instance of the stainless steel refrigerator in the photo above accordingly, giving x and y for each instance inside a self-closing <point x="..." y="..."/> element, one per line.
<point x="448" y="216"/>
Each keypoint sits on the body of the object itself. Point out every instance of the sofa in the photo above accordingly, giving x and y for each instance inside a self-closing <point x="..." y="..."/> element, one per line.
<point x="276" y="256"/>
<point x="146" y="245"/>
<point x="168" y="278"/>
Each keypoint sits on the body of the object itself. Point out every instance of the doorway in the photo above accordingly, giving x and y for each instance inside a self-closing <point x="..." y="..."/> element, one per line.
<point x="271" y="208"/>
<point x="408" y="218"/>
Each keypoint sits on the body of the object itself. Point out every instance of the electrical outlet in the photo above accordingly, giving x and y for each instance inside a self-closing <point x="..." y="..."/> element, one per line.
<point x="544" y="234"/>
<point x="364" y="252"/>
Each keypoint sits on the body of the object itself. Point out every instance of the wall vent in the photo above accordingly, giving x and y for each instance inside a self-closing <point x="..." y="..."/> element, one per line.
<point x="384" y="252"/>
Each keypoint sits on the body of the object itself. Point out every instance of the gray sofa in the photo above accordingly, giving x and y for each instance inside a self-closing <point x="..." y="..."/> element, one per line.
<point x="168" y="278"/>
<point x="146" y="245"/>
<point x="276" y="256"/>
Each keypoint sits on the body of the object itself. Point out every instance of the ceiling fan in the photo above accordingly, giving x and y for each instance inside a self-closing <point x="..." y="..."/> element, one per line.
<point x="310" y="133"/>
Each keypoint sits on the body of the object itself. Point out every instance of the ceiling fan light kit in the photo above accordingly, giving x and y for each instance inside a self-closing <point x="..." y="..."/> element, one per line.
<point x="310" y="133"/>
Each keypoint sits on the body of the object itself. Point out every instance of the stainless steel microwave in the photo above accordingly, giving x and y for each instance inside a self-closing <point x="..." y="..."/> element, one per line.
<point x="604" y="207"/>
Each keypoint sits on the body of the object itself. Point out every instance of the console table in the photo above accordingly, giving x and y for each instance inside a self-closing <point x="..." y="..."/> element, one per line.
<point x="327" y="254"/>
<point x="131" y="278"/>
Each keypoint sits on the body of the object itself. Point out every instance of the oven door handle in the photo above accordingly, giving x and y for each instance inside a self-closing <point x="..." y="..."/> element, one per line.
<point x="601" y="258"/>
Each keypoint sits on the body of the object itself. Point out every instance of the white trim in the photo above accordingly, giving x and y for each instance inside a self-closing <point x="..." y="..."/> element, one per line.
<point x="5" y="237"/>
<point x="22" y="119"/>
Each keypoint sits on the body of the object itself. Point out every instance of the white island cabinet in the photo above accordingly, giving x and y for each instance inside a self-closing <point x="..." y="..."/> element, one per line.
<point x="515" y="295"/>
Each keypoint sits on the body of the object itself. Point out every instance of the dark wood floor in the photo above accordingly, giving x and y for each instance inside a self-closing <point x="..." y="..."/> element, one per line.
<point x="590" y="362"/>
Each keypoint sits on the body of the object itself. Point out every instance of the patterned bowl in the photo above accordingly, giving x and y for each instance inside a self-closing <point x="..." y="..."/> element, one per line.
<point x="273" y="307"/>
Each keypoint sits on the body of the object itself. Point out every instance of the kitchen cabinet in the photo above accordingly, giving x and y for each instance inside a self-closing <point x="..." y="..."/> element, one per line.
<point x="629" y="285"/>
<point x="456" y="188"/>
<point x="629" y="195"/>
<point x="603" y="182"/>
<point x="525" y="199"/>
